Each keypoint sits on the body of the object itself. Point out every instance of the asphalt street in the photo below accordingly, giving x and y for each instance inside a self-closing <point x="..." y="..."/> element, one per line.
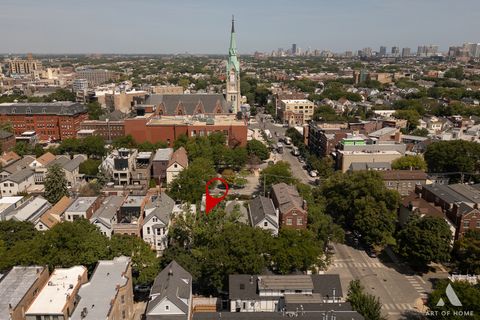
<point x="399" y="292"/>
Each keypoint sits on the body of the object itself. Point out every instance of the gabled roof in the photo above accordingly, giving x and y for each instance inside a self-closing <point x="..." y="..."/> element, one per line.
<point x="173" y="283"/>
<point x="5" y="134"/>
<point x="287" y="197"/>
<point x="47" y="108"/>
<point x="20" y="164"/>
<point x="188" y="101"/>
<point x="180" y="157"/>
<point x="108" y="210"/>
<point x="162" y="209"/>
<point x="74" y="163"/>
<point x="262" y="208"/>
<point x="19" y="176"/>
<point x="10" y="157"/>
<point x="61" y="206"/>
<point x="46" y="158"/>
<point x="403" y="175"/>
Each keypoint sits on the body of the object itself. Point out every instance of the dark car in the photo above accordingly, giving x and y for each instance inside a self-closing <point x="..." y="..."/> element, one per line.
<point x="371" y="252"/>
<point x="142" y="288"/>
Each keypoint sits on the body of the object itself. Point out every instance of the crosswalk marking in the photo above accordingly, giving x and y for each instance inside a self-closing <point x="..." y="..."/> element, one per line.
<point x="397" y="306"/>
<point x="357" y="264"/>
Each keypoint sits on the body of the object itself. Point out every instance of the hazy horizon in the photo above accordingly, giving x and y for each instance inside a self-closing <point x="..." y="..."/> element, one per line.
<point x="202" y="27"/>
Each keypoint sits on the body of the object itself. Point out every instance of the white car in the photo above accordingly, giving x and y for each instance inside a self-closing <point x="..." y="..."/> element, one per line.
<point x="313" y="173"/>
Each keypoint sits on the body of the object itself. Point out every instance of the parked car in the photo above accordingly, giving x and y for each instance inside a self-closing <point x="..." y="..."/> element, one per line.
<point x="371" y="252"/>
<point x="143" y="288"/>
<point x="313" y="173"/>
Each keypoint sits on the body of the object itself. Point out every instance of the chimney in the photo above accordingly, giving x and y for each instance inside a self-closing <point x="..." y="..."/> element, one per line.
<point x="304" y="205"/>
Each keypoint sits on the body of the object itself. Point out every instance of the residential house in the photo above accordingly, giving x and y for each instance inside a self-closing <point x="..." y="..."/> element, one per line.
<point x="31" y="210"/>
<point x="129" y="167"/>
<point x="459" y="202"/>
<point x="7" y="140"/>
<point x="17" y="182"/>
<point x="41" y="170"/>
<point x="54" y="215"/>
<point x="72" y="170"/>
<point x="239" y="208"/>
<point x="18" y="289"/>
<point x="57" y="299"/>
<point x="270" y="293"/>
<point x="42" y="161"/>
<point x="171" y="294"/>
<point x="403" y="181"/>
<point x="130" y="216"/>
<point x="16" y="166"/>
<point x="106" y="216"/>
<point x="9" y="204"/>
<point x="160" y="164"/>
<point x="263" y="215"/>
<point x="177" y="163"/>
<point x="109" y="293"/>
<point x="142" y="169"/>
<point x="157" y="222"/>
<point x="291" y="206"/>
<point x="82" y="207"/>
<point x="8" y="158"/>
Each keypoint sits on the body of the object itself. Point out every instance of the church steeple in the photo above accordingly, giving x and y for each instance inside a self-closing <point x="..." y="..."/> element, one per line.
<point x="233" y="72"/>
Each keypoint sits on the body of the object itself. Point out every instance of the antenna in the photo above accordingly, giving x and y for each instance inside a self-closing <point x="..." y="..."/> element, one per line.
<point x="233" y="23"/>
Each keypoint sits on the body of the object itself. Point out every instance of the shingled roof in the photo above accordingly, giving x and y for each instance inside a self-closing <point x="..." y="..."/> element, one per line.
<point x="262" y="208"/>
<point x="180" y="157"/>
<point x="287" y="196"/>
<point x="173" y="283"/>
<point x="60" y="108"/>
<point x="190" y="102"/>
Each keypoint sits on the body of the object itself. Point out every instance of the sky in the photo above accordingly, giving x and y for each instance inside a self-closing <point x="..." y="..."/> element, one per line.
<point x="203" y="26"/>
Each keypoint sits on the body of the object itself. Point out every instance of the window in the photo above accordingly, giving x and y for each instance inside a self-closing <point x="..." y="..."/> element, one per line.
<point x="242" y="286"/>
<point x="123" y="299"/>
<point x="265" y="224"/>
<point x="167" y="308"/>
<point x="148" y="230"/>
<point x="466" y="224"/>
<point x="244" y="305"/>
<point x="289" y="221"/>
<point x="158" y="232"/>
<point x="478" y="223"/>
<point x="299" y="221"/>
<point x="123" y="314"/>
<point x="11" y="184"/>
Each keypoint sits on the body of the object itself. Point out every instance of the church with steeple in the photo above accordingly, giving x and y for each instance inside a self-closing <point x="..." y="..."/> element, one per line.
<point x="234" y="96"/>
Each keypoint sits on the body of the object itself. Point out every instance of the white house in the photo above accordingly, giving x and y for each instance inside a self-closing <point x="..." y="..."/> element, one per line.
<point x="157" y="221"/>
<point x="263" y="215"/>
<point x="178" y="162"/>
<point x="106" y="216"/>
<point x="82" y="207"/>
<point x="171" y="294"/>
<point x="17" y="182"/>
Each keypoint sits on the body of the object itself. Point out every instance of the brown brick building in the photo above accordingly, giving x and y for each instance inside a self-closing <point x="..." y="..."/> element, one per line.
<point x="169" y="128"/>
<point x="403" y="181"/>
<point x="7" y="140"/>
<point x="291" y="206"/>
<point x="50" y="121"/>
<point x="108" y="130"/>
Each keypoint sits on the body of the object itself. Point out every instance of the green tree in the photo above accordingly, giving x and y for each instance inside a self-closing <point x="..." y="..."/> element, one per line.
<point x="152" y="183"/>
<point x="257" y="148"/>
<point x="366" y="304"/>
<point x="55" y="184"/>
<point x="276" y="173"/>
<point x="61" y="95"/>
<point x="297" y="137"/>
<point x="296" y="250"/>
<point x="456" y="73"/>
<point x="69" y="146"/>
<point x="22" y="148"/>
<point x="324" y="166"/>
<point x="145" y="265"/>
<point x="409" y="163"/>
<point x="466" y="252"/>
<point x="412" y="117"/>
<point x="93" y="146"/>
<point x="360" y="201"/>
<point x="90" y="167"/>
<point x="12" y="231"/>
<point x="190" y="183"/>
<point x="425" y="240"/>
<point x="94" y="110"/>
<point x="72" y="243"/>
<point x="468" y="294"/>
<point x="453" y="156"/>
<point x="124" y="142"/>
<point x="420" y="132"/>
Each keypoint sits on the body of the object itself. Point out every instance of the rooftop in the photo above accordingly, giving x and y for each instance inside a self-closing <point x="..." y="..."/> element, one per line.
<point x="163" y="154"/>
<point x="30" y="210"/>
<point x="15" y="284"/>
<point x="221" y="120"/>
<point x="133" y="201"/>
<point x="278" y="282"/>
<point x="81" y="204"/>
<point x="48" y="108"/>
<point x="53" y="296"/>
<point x="96" y="295"/>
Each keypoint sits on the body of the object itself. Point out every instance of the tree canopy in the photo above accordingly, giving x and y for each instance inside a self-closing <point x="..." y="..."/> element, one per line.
<point x="258" y="149"/>
<point x="366" y="304"/>
<point x="409" y="163"/>
<point x="360" y="201"/>
<point x="468" y="294"/>
<point x="55" y="184"/>
<point x="466" y="252"/>
<point x="276" y="173"/>
<point x="425" y="240"/>
<point x="453" y="156"/>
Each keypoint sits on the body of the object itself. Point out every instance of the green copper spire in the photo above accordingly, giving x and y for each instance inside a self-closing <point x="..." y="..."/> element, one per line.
<point x="232" y="52"/>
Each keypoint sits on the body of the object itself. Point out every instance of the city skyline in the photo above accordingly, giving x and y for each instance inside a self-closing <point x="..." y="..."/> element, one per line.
<point x="169" y="27"/>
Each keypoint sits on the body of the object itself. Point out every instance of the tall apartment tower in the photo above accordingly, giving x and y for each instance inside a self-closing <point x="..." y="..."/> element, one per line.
<point x="233" y="73"/>
<point x="383" y="51"/>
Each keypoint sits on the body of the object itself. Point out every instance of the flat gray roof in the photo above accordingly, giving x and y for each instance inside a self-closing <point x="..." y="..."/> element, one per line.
<point x="15" y="285"/>
<point x="96" y="295"/>
<point x="278" y="282"/>
<point x="163" y="154"/>
<point x="81" y="204"/>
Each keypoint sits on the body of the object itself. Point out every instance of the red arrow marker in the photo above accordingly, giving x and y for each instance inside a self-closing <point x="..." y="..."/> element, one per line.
<point x="211" y="202"/>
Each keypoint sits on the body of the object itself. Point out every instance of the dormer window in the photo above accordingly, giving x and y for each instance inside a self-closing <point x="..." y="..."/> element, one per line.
<point x="44" y="110"/>
<point x="29" y="110"/>
<point x="14" y="110"/>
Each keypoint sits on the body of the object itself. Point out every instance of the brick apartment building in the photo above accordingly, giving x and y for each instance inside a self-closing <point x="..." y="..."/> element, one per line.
<point x="169" y="128"/>
<point x="108" y="130"/>
<point x="291" y="206"/>
<point x="51" y="121"/>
